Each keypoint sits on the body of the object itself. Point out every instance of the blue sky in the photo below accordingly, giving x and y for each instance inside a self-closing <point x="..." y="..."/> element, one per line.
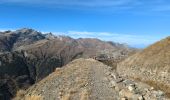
<point x="138" y="23"/>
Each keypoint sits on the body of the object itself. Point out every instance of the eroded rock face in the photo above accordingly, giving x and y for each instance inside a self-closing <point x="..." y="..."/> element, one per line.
<point x="150" y="65"/>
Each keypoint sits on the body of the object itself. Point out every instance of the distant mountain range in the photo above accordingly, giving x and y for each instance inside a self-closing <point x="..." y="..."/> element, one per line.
<point x="27" y="56"/>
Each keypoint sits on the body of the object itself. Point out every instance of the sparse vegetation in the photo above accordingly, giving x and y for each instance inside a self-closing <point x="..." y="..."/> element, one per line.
<point x="84" y="95"/>
<point x="156" y="85"/>
<point x="20" y="94"/>
<point x="159" y="86"/>
<point x="66" y="97"/>
<point x="150" y="66"/>
<point x="34" y="97"/>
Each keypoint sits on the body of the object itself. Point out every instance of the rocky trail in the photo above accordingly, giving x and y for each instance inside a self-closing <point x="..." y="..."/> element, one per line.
<point x="88" y="79"/>
<point x="100" y="84"/>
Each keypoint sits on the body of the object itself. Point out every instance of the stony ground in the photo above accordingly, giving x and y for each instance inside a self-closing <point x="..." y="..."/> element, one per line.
<point x="87" y="79"/>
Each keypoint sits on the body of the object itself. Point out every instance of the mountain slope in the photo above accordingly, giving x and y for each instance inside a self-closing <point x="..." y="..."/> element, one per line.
<point x="88" y="79"/>
<point x="94" y="46"/>
<point x="73" y="79"/>
<point x="37" y="55"/>
<point x="28" y="56"/>
<point x="151" y="65"/>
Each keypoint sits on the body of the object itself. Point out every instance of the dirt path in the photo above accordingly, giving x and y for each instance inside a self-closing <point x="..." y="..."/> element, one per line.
<point x="101" y="89"/>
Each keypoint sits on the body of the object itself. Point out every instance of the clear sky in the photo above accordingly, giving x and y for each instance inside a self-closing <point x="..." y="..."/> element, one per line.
<point x="138" y="23"/>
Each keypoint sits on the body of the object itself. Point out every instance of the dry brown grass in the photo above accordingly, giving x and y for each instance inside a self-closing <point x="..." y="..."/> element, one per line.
<point x="66" y="97"/>
<point x="81" y="82"/>
<point x="111" y="63"/>
<point x="73" y="91"/>
<point x="20" y="94"/>
<point x="84" y="95"/>
<point x="155" y="58"/>
<point x="160" y="86"/>
<point x="33" y="97"/>
<point x="157" y="86"/>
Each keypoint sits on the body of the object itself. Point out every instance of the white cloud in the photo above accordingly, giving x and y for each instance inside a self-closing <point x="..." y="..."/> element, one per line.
<point x="80" y="33"/>
<point x="99" y="5"/>
<point x="89" y="3"/>
<point x="3" y="29"/>
<point x="131" y="39"/>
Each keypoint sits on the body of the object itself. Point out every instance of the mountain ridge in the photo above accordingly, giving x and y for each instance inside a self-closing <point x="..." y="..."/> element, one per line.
<point x="88" y="79"/>
<point x="29" y="56"/>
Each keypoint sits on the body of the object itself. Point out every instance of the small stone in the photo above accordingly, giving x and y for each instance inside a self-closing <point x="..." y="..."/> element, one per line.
<point x="140" y="98"/>
<point x="105" y="79"/>
<point x="135" y="97"/>
<point x="119" y="80"/>
<point x="128" y="82"/>
<point x="131" y="87"/>
<point x="121" y="86"/>
<point x="158" y="93"/>
<point x="110" y="78"/>
<point x="146" y="89"/>
<point x="60" y="94"/>
<point x="117" y="88"/>
<point x="124" y="99"/>
<point x="113" y="75"/>
<point x="107" y="73"/>
<point x="126" y="93"/>
<point x="152" y="88"/>
<point x="147" y="97"/>
<point x="113" y="83"/>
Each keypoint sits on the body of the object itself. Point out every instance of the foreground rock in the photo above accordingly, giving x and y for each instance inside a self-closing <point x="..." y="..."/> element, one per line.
<point x="87" y="79"/>
<point x="129" y="89"/>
